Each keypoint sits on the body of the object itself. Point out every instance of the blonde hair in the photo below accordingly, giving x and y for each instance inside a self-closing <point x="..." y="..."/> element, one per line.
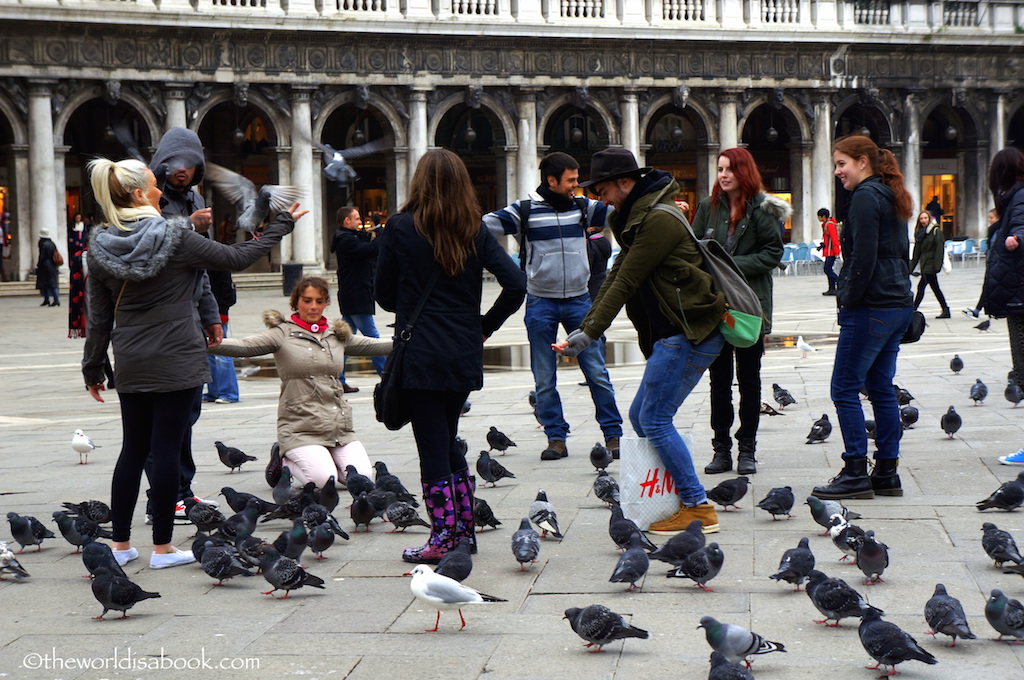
<point x="114" y="185"/>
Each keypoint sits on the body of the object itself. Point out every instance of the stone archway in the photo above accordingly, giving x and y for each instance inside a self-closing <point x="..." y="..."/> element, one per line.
<point x="579" y="132"/>
<point x="678" y="140"/>
<point x="777" y="136"/>
<point x="14" y="200"/>
<point x="478" y="136"/>
<point x="953" y="168"/>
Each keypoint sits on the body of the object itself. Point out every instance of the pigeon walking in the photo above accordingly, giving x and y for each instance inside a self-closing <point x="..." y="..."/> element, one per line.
<point x="820" y="431"/>
<point x="97" y="511"/>
<point x="778" y="501"/>
<point x="9" y="565"/>
<point x="795" y="565"/>
<point x="782" y="396"/>
<point x="321" y="537"/>
<point x="82" y="445"/>
<point x="491" y="470"/>
<point x="951" y="422"/>
<point x="956" y="364"/>
<point x="835" y="599"/>
<point x="457" y="563"/>
<point x="600" y="456"/>
<point x="205" y="516"/>
<point x="701" y="566"/>
<point x="327" y="495"/>
<point x="847" y="537"/>
<point x="633" y="563"/>
<point x="1013" y="393"/>
<point x="999" y="545"/>
<point x="402" y="516"/>
<point x="27" y="530"/>
<point x="729" y="492"/>
<point x="117" y="592"/>
<point x="872" y="558"/>
<point x="767" y="410"/>
<point x="497" y="440"/>
<point x="443" y="593"/>
<point x="1009" y="496"/>
<point x="1005" y="615"/>
<point x="357" y="483"/>
<point x="238" y="500"/>
<point x="675" y="550"/>
<point x="723" y="669"/>
<point x="979" y="391"/>
<point x="231" y="457"/>
<point x="282" y="492"/>
<point x="75" y="530"/>
<point x="822" y="511"/>
<point x="600" y="626"/>
<point x="96" y="555"/>
<point x="243" y="522"/>
<point x="361" y="512"/>
<point x="734" y="642"/>
<point x="483" y="515"/>
<point x="293" y="542"/>
<point x="388" y="482"/>
<point x="620" y="528"/>
<point x="888" y="644"/>
<point x="945" y="615"/>
<point x="220" y="563"/>
<point x="542" y="513"/>
<point x="908" y="416"/>
<point x="284" y="573"/>
<point x="984" y="325"/>
<point x="606" y="488"/>
<point x="525" y="544"/>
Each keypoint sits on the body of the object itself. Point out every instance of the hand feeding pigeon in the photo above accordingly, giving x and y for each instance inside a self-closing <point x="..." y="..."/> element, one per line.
<point x="116" y="592"/>
<point x="1009" y="496"/>
<point x="252" y="207"/>
<point x="734" y="642"/>
<point x="782" y="396"/>
<point x="483" y="515"/>
<point x="600" y="626"/>
<point x="822" y="511"/>
<point x="82" y="445"/>
<point x="457" y="563"/>
<point x="945" y="615"/>
<point x="803" y="347"/>
<point x="675" y="550"/>
<point x="956" y="364"/>
<point x="285" y="574"/>
<point x="491" y="470"/>
<point x="888" y="644"/>
<point x="834" y="598"/>
<point x="908" y="416"/>
<point x="620" y="528"/>
<point x="9" y="564"/>
<point x="497" y="440"/>
<point x="722" y="669"/>
<point x="778" y="501"/>
<point x="357" y="483"/>
<point x="1005" y="615"/>
<point x="633" y="563"/>
<point x="872" y="558"/>
<point x="701" y="566"/>
<point x="847" y="537"/>
<point x="525" y="544"/>
<point x="606" y="488"/>
<point x="820" y="431"/>
<point x="729" y="492"/>
<point x="979" y="391"/>
<point x="950" y="422"/>
<point x="403" y="516"/>
<point x="442" y="593"/>
<point x="999" y="545"/>
<point x="795" y="565"/>
<point x="600" y="456"/>
<point x="542" y="513"/>
<point x="27" y="530"/>
<point x="1013" y="393"/>
<point x="97" y="511"/>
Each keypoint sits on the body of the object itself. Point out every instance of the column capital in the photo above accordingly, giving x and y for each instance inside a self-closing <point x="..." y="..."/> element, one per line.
<point x="418" y="93"/>
<point x="729" y="94"/>
<point x="41" y="87"/>
<point x="177" y="90"/>
<point x="301" y="93"/>
<point x="628" y="94"/>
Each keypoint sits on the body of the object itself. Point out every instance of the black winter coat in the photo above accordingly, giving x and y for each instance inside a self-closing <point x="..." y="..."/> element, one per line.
<point x="1004" y="269"/>
<point x="46" y="269"/>
<point x="446" y="349"/>
<point x="357" y="258"/>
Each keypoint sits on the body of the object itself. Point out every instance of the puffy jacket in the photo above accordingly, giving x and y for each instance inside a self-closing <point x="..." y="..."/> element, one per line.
<point x="1004" y="269"/>
<point x="311" y="409"/>
<point x="929" y="248"/>
<point x="830" y="239"/>
<point x="756" y="244"/>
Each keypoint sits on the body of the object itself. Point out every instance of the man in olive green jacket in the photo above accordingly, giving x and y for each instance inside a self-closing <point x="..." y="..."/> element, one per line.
<point x="657" y="276"/>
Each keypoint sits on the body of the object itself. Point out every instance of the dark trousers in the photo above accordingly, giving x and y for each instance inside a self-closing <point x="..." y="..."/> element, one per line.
<point x="830" y="271"/>
<point x="186" y="465"/>
<point x="435" y="422"/>
<point x="153" y="426"/>
<point x="747" y="362"/>
<point x="933" y="281"/>
<point x="1015" y="327"/>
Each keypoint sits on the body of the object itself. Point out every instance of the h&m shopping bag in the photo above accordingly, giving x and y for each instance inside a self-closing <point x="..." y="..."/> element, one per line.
<point x="646" y="490"/>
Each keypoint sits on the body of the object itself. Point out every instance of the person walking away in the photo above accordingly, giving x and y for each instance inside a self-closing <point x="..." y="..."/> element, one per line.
<point x="929" y="248"/>
<point x="48" y="270"/>
<point x="829" y="248"/>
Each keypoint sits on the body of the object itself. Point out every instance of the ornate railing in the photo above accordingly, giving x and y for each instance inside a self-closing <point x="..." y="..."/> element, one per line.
<point x="780" y="11"/>
<point x="959" y="13"/>
<point x="581" y="9"/>
<point x="872" y="12"/>
<point x="683" y="10"/>
<point x="362" y="5"/>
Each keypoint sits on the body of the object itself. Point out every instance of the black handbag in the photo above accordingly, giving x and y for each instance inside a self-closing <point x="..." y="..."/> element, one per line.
<point x="915" y="330"/>
<point x="388" y="400"/>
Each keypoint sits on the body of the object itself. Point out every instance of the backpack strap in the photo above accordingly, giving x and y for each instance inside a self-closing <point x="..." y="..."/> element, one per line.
<point x="525" y="206"/>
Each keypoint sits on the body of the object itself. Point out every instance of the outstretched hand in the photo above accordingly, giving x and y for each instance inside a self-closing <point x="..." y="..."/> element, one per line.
<point x="94" y="392"/>
<point x="295" y="212"/>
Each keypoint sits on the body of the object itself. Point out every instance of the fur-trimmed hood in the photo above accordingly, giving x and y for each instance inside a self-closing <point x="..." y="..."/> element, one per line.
<point x="273" y="318"/>
<point x="776" y="207"/>
<point x="139" y="254"/>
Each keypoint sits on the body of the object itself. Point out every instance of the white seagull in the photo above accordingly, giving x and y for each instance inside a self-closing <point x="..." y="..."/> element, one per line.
<point x="83" y="445"/>
<point x="441" y="592"/>
<point x="803" y="347"/>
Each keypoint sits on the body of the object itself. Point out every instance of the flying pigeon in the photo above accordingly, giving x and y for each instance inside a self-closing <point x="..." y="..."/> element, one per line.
<point x="457" y="563"/>
<point x="822" y="511"/>
<point x="729" y="492"/>
<point x="220" y="563"/>
<point x="116" y="592"/>
<point x="782" y="396"/>
<point x="483" y="515"/>
<point x="82" y="445"/>
<point x="675" y="550"/>
<point x="847" y="537"/>
<point x="979" y="391"/>
<point x="620" y="528"/>
<point x="600" y="456"/>
<point x="357" y="483"/>
<point x="497" y="440"/>
<point x="336" y="161"/>
<point x="403" y="516"/>
<point x="600" y="626"/>
<point x="984" y="325"/>
<point x="9" y="564"/>
<point x="97" y="511"/>
<point x="803" y="347"/>
<point x="956" y="364"/>
<point x="945" y="615"/>
<point x="872" y="558"/>
<point x="951" y="422"/>
<point x="542" y="513"/>
<point x="734" y="642"/>
<point x="778" y="501"/>
<point x="701" y="566"/>
<point x="888" y="644"/>
<point x="633" y="563"/>
<point x="491" y="470"/>
<point x="1005" y="615"/>
<point x="525" y="544"/>
<point x="27" y="530"/>
<point x="285" y="573"/>
<point x="820" y="431"/>
<point x="441" y="593"/>
<point x="999" y="545"/>
<point x="722" y="669"/>
<point x="1009" y="496"/>
<point x="606" y="488"/>
<point x="1013" y="393"/>
<point x="251" y="206"/>
<point x="834" y="598"/>
<point x="908" y="416"/>
<point x="795" y="565"/>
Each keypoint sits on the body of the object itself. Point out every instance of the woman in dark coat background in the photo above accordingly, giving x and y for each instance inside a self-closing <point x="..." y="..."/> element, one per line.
<point x="439" y="228"/>
<point x="929" y="249"/>
<point x="47" y="279"/>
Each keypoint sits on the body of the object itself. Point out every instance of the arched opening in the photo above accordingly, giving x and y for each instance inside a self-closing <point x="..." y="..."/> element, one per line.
<point x="772" y="136"/>
<point x="677" y="142"/>
<point x="346" y="127"/>
<point x="8" y="268"/>
<point x="578" y="132"/>
<point x="944" y="138"/>
<point x="1015" y="130"/>
<point x="867" y="121"/>
<point x="477" y="136"/>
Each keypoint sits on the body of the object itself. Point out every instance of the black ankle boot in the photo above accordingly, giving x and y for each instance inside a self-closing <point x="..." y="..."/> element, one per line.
<point x="722" y="461"/>
<point x="746" y="463"/>
<point x="884" y="479"/>
<point x="851" y="482"/>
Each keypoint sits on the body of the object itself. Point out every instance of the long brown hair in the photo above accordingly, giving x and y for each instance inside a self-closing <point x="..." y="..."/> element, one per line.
<point x="1005" y="174"/>
<point x="747" y="175"/>
<point x="882" y="163"/>
<point x="445" y="209"/>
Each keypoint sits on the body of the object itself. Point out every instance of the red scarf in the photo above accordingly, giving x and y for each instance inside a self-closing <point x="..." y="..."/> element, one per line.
<point x="318" y="327"/>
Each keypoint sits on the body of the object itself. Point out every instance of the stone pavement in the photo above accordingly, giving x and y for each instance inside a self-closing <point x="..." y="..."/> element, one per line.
<point x="365" y="624"/>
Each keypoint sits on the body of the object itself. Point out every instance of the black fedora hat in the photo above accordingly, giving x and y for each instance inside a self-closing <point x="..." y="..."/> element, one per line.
<point x="612" y="164"/>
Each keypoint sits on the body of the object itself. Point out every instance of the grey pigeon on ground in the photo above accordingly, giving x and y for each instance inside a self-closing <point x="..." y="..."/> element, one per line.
<point x="979" y="391"/>
<point x="542" y="513"/>
<point x="872" y="558"/>
<point x="97" y="511"/>
<point x="292" y="508"/>
<point x="734" y="642"/>
<point x="389" y="482"/>
<point x="237" y="500"/>
<point x="357" y="483"/>
<point x="361" y="512"/>
<point x="767" y="410"/>
<point x="847" y="537"/>
<point x="491" y="470"/>
<point x="321" y="537"/>
<point x="869" y="428"/>
<point x="820" y="431"/>
<point x="620" y="528"/>
<point x="483" y="515"/>
<point x="443" y="593"/>
<point x="283" y="489"/>
<point x="675" y="550"/>
<point x="778" y="501"/>
<point x="903" y="396"/>
<point x="999" y="545"/>
<point x="461" y="445"/>
<point x="498" y="441"/>
<point x="327" y="495"/>
<point x="250" y="550"/>
<point x="701" y="566"/>
<point x="402" y="516"/>
<point x="252" y="207"/>
<point x="729" y="492"/>
<point x="1009" y="496"/>
<point x="951" y="422"/>
<point x="284" y="573"/>
<point x="795" y="565"/>
<point x="9" y="565"/>
<point x="945" y="615"/>
<point x="117" y="592"/>
<point x="220" y="563"/>
<point x="1013" y="393"/>
<point x="956" y="364"/>
<point x="457" y="563"/>
<point x="600" y="626"/>
<point x="231" y="457"/>
<point x="315" y="514"/>
<point x="723" y="669"/>
<point x="206" y="517"/>
<point x="888" y="644"/>
<point x="1005" y="615"/>
<point x="293" y="542"/>
<point x="27" y="530"/>
<point x="633" y="563"/>
<point x="243" y="522"/>
<point x="908" y="416"/>
<point x="380" y="500"/>
<point x="96" y="555"/>
<point x="984" y="325"/>
<point x="782" y="396"/>
<point x="822" y="511"/>
<point x="525" y="544"/>
<point x="600" y="456"/>
<point x="201" y="539"/>
<point x="834" y="598"/>
<point x="606" y="489"/>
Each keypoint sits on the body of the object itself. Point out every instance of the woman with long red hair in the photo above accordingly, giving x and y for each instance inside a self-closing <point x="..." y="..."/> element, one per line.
<point x="744" y="219"/>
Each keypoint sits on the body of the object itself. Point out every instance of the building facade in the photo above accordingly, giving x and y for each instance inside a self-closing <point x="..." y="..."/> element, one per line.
<point x="502" y="82"/>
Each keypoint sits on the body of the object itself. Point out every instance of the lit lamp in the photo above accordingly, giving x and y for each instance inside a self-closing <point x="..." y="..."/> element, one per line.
<point x="951" y="133"/>
<point x="108" y="135"/>
<point x="358" y="137"/>
<point x="865" y="132"/>
<point x="677" y="134"/>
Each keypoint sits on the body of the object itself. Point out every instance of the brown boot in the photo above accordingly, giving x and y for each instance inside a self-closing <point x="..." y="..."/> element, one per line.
<point x="682" y="517"/>
<point x="612" y="444"/>
<point x="556" y="449"/>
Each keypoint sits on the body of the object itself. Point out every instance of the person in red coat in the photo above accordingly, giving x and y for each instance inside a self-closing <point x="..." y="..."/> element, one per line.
<point x="829" y="247"/>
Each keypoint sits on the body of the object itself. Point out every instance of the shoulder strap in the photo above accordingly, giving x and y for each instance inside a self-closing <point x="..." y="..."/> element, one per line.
<point x="525" y="206"/>
<point x="581" y="203"/>
<point x="407" y="332"/>
<point x="675" y="212"/>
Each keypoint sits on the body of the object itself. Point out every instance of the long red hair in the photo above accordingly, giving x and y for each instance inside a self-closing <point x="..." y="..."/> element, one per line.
<point x="747" y="175"/>
<point x="882" y="163"/>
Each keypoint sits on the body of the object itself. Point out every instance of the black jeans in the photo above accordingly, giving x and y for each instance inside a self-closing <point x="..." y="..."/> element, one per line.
<point x="933" y="281"/>
<point x="748" y="376"/>
<point x="435" y="422"/>
<point x="830" y="271"/>
<point x="153" y="426"/>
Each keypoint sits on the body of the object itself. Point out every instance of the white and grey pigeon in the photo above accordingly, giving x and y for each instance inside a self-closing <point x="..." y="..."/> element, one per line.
<point x="734" y="642"/>
<point x="1005" y="615"/>
<point x="9" y="564"/>
<point x="82" y="445"/>
<point x="443" y="593"/>
<point x="945" y="615"/>
<point x="600" y="626"/>
<point x="542" y="513"/>
<point x="525" y="544"/>
<point x="820" y="430"/>
<point x="822" y="511"/>
<point x="847" y="537"/>
<point x="336" y="167"/>
<point x="251" y="206"/>
<point x="979" y="391"/>
<point x="606" y="488"/>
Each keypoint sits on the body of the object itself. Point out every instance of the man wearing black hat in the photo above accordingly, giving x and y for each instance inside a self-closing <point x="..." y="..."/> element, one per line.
<point x="551" y="226"/>
<point x="657" y="276"/>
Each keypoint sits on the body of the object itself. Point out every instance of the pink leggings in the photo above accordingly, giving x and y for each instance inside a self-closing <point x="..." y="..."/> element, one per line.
<point x="317" y="463"/>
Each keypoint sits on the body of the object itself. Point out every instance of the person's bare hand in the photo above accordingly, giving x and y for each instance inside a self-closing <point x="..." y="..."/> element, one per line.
<point x="214" y="335"/>
<point x="94" y="392"/>
<point x="560" y="346"/>
<point x="202" y="220"/>
<point x="296" y="213"/>
<point x="1012" y="242"/>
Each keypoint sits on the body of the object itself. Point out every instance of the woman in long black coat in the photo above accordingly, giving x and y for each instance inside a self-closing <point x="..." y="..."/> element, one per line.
<point x="439" y="229"/>
<point x="47" y="280"/>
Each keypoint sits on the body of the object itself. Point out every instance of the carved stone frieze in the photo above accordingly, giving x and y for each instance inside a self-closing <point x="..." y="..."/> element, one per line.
<point x="241" y="95"/>
<point x="506" y="99"/>
<point x="643" y="101"/>
<point x="275" y="94"/>
<point x="609" y="97"/>
<point x="200" y="93"/>
<point x="680" y="96"/>
<point x="112" y="91"/>
<point x="149" y="93"/>
<point x="580" y="97"/>
<point x="474" y="96"/>
<point x="394" y="97"/>
<point x="320" y="97"/>
<point x="434" y="99"/>
<point x="18" y="95"/>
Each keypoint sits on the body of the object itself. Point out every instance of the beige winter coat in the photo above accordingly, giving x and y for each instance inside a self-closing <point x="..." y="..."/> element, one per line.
<point x="312" y="409"/>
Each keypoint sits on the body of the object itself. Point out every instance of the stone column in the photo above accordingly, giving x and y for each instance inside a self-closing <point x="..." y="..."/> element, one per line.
<point x="60" y="227"/>
<point x="418" y="142"/>
<point x="283" y="253"/>
<point x="41" y="159"/>
<point x="822" y="182"/>
<point x="996" y="122"/>
<point x="912" y="149"/>
<point x="728" y="124"/>
<point x="527" y="170"/>
<point x="800" y="158"/>
<point x="630" y="133"/>
<point x="305" y="238"/>
<point x="397" y="172"/>
<point x="23" y="258"/>
<point x="175" y="95"/>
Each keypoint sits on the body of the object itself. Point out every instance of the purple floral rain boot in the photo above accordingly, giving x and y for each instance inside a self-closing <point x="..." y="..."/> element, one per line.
<point x="464" y="493"/>
<point x="437" y="497"/>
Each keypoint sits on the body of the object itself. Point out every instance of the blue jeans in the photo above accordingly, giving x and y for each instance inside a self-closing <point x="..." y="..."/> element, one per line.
<point x="673" y="370"/>
<point x="363" y="323"/>
<point x="869" y="341"/>
<point x="51" y="293"/>
<point x="543" y="317"/>
<point x="223" y="379"/>
<point x="830" y="271"/>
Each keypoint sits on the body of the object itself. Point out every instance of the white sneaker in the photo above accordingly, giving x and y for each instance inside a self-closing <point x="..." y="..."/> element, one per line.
<point x="174" y="559"/>
<point x="123" y="557"/>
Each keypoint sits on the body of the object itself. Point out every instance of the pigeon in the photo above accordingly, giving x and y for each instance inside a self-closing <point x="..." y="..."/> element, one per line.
<point x="945" y="615"/>
<point x="979" y="391"/>
<point x="999" y="545"/>
<point x="491" y="470"/>
<point x="620" y="528"/>
<point x="779" y="501"/>
<point x="847" y="537"/>
<point x="97" y="511"/>
<point x="903" y="397"/>
<point x="483" y="515"/>
<point x="200" y="541"/>
<point x="250" y="550"/>
<point x="461" y="446"/>
<point x="675" y="550"/>
<point x="27" y="530"/>
<point x="606" y="488"/>
<point x="633" y="563"/>
<point x="203" y="515"/>
<point x="908" y="416"/>
<point x="803" y="347"/>
<point x="243" y="522"/>
<point x="336" y="167"/>
<point x="951" y="422"/>
<point x="543" y="515"/>
<point x="403" y="516"/>
<point x="388" y="482"/>
<point x="782" y="396"/>
<point x="600" y="626"/>
<point x="795" y="565"/>
<point x="984" y="325"/>
<point x="76" y="529"/>
<point x="292" y="542"/>
<point x="820" y="431"/>
<point x="497" y="440"/>
<point x="231" y="457"/>
<point x="9" y="564"/>
<point x="327" y="495"/>
<point x="237" y="500"/>
<point x="869" y="428"/>
<point x="701" y="566"/>
<point x="220" y="563"/>
<point x="315" y="514"/>
<point x="285" y="574"/>
<point x="292" y="508"/>
<point x="357" y="483"/>
<point x="1005" y="615"/>
<point x="96" y="555"/>
<point x="956" y="364"/>
<point x="532" y="398"/>
<point x="283" y="489"/>
<point x="722" y="669"/>
<point x="734" y="642"/>
<point x="379" y="500"/>
<point x="441" y="593"/>
<point x="525" y="544"/>
<point x="888" y="644"/>
<point x="729" y="492"/>
<point x="1009" y="496"/>
<point x="822" y="511"/>
<point x="251" y="206"/>
<point x="1013" y="393"/>
<point x="600" y="456"/>
<point x="767" y="410"/>
<point x="321" y="537"/>
<point x="872" y="558"/>
<point x="82" y="445"/>
<point x="116" y="592"/>
<point x="457" y="563"/>
<point x="835" y="599"/>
